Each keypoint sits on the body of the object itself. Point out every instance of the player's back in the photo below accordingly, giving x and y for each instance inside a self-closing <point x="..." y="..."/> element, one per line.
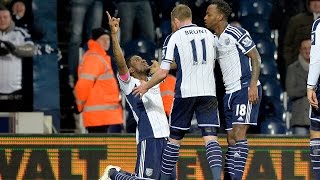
<point x="193" y="50"/>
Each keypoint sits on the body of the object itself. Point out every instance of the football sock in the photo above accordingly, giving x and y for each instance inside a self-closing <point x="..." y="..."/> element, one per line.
<point x="229" y="166"/>
<point x="240" y="158"/>
<point x="214" y="157"/>
<point x="315" y="156"/>
<point x="169" y="159"/>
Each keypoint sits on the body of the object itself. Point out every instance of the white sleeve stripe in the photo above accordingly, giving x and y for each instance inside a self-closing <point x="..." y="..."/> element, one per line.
<point x="250" y="49"/>
<point x="235" y="31"/>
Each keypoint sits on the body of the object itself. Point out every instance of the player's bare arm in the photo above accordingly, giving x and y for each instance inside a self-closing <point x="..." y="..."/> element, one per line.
<point x="114" y="27"/>
<point x="157" y="77"/>
<point x="255" y="63"/>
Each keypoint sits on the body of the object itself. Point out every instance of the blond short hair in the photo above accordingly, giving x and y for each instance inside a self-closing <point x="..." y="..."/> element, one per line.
<point x="181" y="12"/>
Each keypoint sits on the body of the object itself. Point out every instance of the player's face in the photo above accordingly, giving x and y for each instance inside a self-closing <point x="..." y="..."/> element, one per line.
<point x="5" y="20"/>
<point x="213" y="16"/>
<point x="19" y="9"/>
<point x="314" y="6"/>
<point x="305" y="49"/>
<point x="139" y="65"/>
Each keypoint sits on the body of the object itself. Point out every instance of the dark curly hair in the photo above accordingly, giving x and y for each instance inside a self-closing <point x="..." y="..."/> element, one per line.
<point x="223" y="7"/>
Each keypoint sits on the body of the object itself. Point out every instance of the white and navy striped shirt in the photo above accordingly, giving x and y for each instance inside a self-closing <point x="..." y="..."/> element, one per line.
<point x="193" y="49"/>
<point x="11" y="65"/>
<point x="148" y="111"/>
<point x="314" y="67"/>
<point x="232" y="46"/>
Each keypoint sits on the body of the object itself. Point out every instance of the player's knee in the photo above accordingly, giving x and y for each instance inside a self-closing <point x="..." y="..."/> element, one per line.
<point x="231" y="140"/>
<point x="177" y="134"/>
<point x="209" y="131"/>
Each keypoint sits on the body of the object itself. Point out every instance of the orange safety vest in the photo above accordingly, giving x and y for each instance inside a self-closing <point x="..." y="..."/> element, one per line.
<point x="167" y="92"/>
<point x="97" y="91"/>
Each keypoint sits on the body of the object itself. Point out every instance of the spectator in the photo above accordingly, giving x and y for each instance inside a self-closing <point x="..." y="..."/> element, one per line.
<point x="298" y="27"/>
<point x="282" y="11"/>
<point x="84" y="13"/>
<point x="15" y="43"/>
<point x="139" y="12"/>
<point x="296" y="82"/>
<point x="19" y="16"/>
<point x="97" y="91"/>
<point x="23" y="17"/>
<point x="167" y="93"/>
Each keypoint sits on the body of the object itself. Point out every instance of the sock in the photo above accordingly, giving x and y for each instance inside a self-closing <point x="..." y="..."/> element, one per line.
<point x="169" y="159"/>
<point x="214" y="158"/>
<point x="229" y="166"/>
<point x="240" y="158"/>
<point x="315" y="156"/>
<point x="121" y="176"/>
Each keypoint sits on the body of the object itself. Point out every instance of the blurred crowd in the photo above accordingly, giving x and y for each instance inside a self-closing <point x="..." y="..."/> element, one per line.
<point x="280" y="28"/>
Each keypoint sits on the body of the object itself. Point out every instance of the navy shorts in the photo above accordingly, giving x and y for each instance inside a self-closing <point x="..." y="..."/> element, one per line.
<point x="238" y="109"/>
<point x="314" y="114"/>
<point x="149" y="157"/>
<point x="204" y="107"/>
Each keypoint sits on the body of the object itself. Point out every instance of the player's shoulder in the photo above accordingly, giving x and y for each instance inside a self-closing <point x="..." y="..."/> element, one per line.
<point x="235" y="31"/>
<point x="191" y="30"/>
<point x="315" y="25"/>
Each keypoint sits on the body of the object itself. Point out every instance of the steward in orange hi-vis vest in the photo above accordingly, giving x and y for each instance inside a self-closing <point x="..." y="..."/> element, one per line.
<point x="97" y="91"/>
<point x="167" y="93"/>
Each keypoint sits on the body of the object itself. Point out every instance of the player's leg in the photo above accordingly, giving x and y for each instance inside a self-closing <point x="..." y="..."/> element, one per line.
<point x="115" y="173"/>
<point x="181" y="116"/>
<point x="314" y="116"/>
<point x="245" y="114"/>
<point x="229" y="160"/>
<point x="206" y="109"/>
<point x="149" y="158"/>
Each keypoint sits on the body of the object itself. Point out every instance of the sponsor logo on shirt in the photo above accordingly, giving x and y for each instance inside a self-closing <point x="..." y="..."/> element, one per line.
<point x="246" y="42"/>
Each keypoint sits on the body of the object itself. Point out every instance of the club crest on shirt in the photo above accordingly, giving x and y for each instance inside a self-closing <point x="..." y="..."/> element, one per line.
<point x="246" y="42"/>
<point x="227" y="41"/>
<point x="149" y="172"/>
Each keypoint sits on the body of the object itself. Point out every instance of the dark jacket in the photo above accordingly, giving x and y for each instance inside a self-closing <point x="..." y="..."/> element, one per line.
<point x="296" y="84"/>
<point x="299" y="28"/>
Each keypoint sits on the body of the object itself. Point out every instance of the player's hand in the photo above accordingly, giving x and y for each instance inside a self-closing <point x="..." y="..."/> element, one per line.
<point x="139" y="91"/>
<point x="312" y="98"/>
<point x="154" y="67"/>
<point x="253" y="94"/>
<point x="113" y="23"/>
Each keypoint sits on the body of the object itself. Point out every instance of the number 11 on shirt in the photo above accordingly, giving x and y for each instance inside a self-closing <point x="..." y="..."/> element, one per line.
<point x="194" y="52"/>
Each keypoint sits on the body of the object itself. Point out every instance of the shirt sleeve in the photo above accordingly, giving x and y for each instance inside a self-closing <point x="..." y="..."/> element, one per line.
<point x="314" y="67"/>
<point x="168" y="49"/>
<point x="246" y="43"/>
<point x="126" y="86"/>
<point x="165" y="65"/>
